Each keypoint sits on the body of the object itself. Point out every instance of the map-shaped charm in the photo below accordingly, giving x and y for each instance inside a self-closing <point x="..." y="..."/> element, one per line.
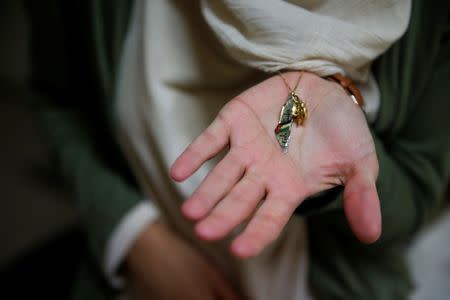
<point x="293" y="109"/>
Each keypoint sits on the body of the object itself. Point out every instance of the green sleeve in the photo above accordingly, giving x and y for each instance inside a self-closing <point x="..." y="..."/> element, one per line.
<point x="103" y="196"/>
<point x="73" y="58"/>
<point x="413" y="147"/>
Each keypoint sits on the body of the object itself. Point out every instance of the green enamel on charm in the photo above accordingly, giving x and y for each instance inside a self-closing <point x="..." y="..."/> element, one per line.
<point x="293" y="109"/>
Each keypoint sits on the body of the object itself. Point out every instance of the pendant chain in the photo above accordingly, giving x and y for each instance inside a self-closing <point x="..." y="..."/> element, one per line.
<point x="291" y="91"/>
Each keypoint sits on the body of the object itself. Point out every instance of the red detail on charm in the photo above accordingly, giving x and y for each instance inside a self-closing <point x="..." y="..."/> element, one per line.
<point x="278" y="128"/>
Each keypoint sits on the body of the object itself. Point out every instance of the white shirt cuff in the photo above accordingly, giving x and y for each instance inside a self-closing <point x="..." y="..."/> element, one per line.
<point x="371" y="93"/>
<point x="123" y="237"/>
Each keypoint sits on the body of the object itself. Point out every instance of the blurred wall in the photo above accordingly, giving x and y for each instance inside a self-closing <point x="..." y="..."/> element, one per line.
<point x="33" y="206"/>
<point x="14" y="61"/>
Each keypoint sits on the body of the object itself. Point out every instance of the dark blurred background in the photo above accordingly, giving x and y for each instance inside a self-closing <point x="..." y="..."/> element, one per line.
<point x="39" y="239"/>
<point x="38" y="236"/>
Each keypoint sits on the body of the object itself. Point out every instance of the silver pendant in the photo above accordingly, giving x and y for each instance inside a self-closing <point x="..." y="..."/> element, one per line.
<point x="283" y="134"/>
<point x="293" y="109"/>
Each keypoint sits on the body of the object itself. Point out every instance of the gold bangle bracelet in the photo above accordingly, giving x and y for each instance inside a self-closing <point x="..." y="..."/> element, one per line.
<point x="349" y="87"/>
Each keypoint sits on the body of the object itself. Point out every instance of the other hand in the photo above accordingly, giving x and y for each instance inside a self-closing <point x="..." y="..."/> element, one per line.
<point x="160" y="265"/>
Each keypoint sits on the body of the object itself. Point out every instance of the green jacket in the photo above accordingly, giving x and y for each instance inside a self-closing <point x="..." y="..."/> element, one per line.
<point x="76" y="47"/>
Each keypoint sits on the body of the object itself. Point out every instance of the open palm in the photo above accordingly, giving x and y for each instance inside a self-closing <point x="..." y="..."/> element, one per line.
<point x="256" y="181"/>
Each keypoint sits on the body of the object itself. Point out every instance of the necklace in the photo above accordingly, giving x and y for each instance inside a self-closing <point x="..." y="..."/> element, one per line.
<point x="294" y="109"/>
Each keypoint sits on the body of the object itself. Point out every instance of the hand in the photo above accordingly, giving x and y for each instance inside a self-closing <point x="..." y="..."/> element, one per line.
<point x="162" y="266"/>
<point x="255" y="181"/>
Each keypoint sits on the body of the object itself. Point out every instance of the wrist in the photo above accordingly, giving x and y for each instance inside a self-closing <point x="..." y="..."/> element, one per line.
<point x="311" y="81"/>
<point x="348" y="85"/>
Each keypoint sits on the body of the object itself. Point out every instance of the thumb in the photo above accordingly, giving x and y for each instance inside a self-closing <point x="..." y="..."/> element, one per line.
<point x="362" y="205"/>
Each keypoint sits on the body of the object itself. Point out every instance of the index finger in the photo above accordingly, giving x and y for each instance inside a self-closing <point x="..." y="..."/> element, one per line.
<point x="207" y="145"/>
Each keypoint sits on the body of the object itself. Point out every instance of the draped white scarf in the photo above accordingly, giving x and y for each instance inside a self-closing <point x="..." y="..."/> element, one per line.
<point x="320" y="36"/>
